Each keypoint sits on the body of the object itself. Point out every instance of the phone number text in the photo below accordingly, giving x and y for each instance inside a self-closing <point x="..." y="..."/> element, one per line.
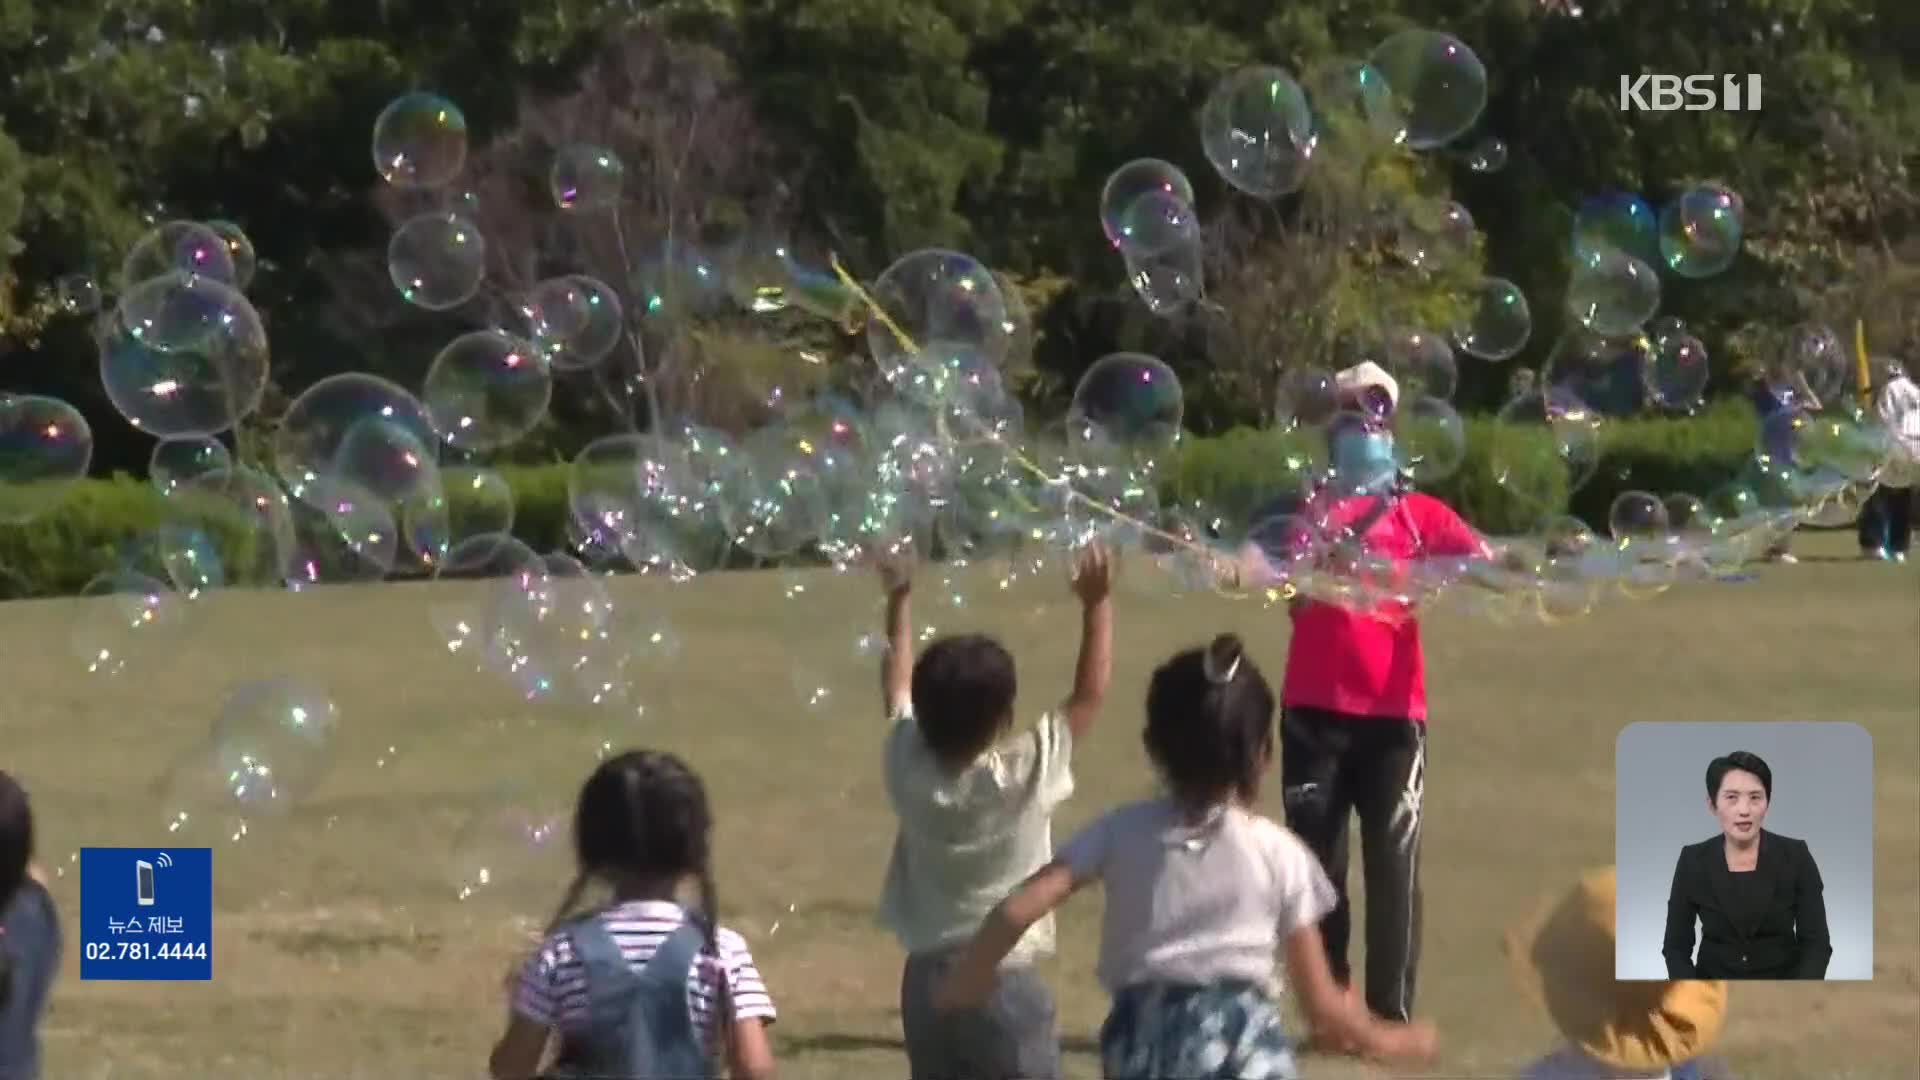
<point x="140" y="950"/>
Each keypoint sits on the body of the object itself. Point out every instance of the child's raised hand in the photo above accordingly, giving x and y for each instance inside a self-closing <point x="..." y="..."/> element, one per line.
<point x="1093" y="570"/>
<point x="895" y="569"/>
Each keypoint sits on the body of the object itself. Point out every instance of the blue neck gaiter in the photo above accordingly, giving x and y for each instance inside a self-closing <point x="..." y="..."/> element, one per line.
<point x="1363" y="461"/>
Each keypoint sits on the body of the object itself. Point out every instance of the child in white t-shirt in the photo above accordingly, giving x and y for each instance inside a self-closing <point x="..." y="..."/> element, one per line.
<point x="1201" y="893"/>
<point x="975" y="802"/>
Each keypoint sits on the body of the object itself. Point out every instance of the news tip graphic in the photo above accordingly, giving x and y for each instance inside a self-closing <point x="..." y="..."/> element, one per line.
<point x="146" y="913"/>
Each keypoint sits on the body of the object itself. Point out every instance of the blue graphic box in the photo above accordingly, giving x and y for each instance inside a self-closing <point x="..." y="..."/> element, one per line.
<point x="146" y="913"/>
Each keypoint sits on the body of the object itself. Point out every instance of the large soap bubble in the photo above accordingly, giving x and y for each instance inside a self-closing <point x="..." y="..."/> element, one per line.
<point x="937" y="298"/>
<point x="419" y="141"/>
<point x="1500" y="321"/>
<point x="1615" y="220"/>
<point x="586" y="178"/>
<point x="1437" y="82"/>
<point x="1160" y="240"/>
<point x="1256" y="131"/>
<point x="1700" y="231"/>
<point x="45" y="446"/>
<point x="1608" y="372"/>
<point x="437" y="260"/>
<point x="1131" y="402"/>
<point x="184" y="355"/>
<point x="486" y="389"/>
<point x="574" y="321"/>
<point x="1612" y="292"/>
<point x="361" y="429"/>
<point x="179" y="247"/>
<point x="1126" y="184"/>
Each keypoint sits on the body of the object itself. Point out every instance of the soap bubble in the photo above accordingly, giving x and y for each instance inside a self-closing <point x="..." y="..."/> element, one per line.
<point x="1677" y="375"/>
<point x="239" y="525"/>
<point x="471" y="501"/>
<point x="486" y="389"/>
<point x="1612" y="292"/>
<point x="1131" y="402"/>
<point x="1615" y="220"/>
<point x="184" y="356"/>
<point x="1813" y="353"/>
<point x="437" y="260"/>
<point x="1500" y="322"/>
<point x="1256" y="131"/>
<point x="1422" y="363"/>
<point x="586" y="178"/>
<point x="1160" y="240"/>
<point x="239" y="250"/>
<point x="1436" y="234"/>
<point x="361" y="429"/>
<point x="186" y="248"/>
<point x="175" y="461"/>
<point x="1607" y="372"/>
<point x="1129" y="182"/>
<point x="45" y="446"/>
<point x="938" y="299"/>
<point x="78" y="294"/>
<point x="1308" y="398"/>
<point x="269" y="749"/>
<point x="1437" y="82"/>
<point x="574" y="321"/>
<point x="419" y="141"/>
<point x="1429" y="439"/>
<point x="1545" y="445"/>
<point x="1350" y="100"/>
<point x="1488" y="155"/>
<point x="121" y="616"/>
<point x="1700" y="231"/>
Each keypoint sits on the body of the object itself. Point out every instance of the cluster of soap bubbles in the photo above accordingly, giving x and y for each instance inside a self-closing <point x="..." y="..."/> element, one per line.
<point x="364" y="478"/>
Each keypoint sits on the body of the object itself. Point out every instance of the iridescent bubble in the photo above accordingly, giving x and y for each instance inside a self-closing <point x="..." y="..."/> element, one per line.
<point x="77" y="294"/>
<point x="1500" y="322"/>
<point x="419" y="141"/>
<point x="1814" y="354"/>
<point x="1437" y="82"/>
<point x="935" y="295"/>
<point x="1677" y="375"/>
<point x="244" y="522"/>
<point x="1160" y="241"/>
<point x="1610" y="373"/>
<point x="787" y="504"/>
<point x="1436" y="234"/>
<point x="486" y="389"/>
<point x="514" y="839"/>
<point x="1429" y="439"/>
<point x="574" y="321"/>
<point x="175" y="461"/>
<point x="1351" y="102"/>
<point x="45" y="446"/>
<point x="1256" y="131"/>
<point x="239" y="250"/>
<point x="272" y="744"/>
<point x="1136" y="178"/>
<point x="121" y="616"/>
<point x="361" y="429"/>
<point x="191" y="558"/>
<point x="1618" y="221"/>
<point x="1422" y="363"/>
<point x="548" y="624"/>
<point x="1612" y="292"/>
<point x="1700" y="231"/>
<point x="1846" y="443"/>
<point x="343" y="533"/>
<point x="472" y="501"/>
<point x="586" y="178"/>
<point x="1544" y="446"/>
<point x="1637" y="516"/>
<point x="437" y="260"/>
<point x="1488" y="155"/>
<point x="1664" y="327"/>
<point x="643" y="496"/>
<point x="1308" y="399"/>
<point x="186" y="248"/>
<point x="1130" y="401"/>
<point x="184" y="356"/>
<point x="461" y="610"/>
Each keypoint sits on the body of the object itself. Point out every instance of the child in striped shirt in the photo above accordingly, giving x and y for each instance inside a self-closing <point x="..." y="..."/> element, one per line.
<point x="643" y="827"/>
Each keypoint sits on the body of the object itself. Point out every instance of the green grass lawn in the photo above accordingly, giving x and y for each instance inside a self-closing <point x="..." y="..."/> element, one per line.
<point x="341" y="949"/>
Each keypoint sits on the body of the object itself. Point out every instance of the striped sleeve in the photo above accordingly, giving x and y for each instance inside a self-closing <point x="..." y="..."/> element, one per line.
<point x="745" y="987"/>
<point x="537" y="992"/>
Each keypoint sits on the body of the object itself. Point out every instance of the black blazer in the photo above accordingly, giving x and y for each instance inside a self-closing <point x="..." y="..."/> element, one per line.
<point x="1787" y="939"/>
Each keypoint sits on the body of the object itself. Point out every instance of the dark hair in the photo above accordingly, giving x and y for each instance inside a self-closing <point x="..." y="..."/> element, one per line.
<point x="644" y="815"/>
<point x="1210" y="723"/>
<point x="16" y="850"/>
<point x="1719" y="767"/>
<point x="963" y="690"/>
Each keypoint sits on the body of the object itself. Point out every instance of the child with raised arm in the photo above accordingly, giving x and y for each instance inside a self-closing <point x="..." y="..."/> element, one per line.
<point x="975" y="802"/>
<point x="1201" y="893"/>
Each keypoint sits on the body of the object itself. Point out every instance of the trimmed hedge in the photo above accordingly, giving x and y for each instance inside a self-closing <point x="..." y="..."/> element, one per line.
<point x="108" y="523"/>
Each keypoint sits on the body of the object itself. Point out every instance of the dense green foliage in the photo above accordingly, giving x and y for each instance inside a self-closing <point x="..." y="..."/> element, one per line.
<point x="103" y="524"/>
<point x="986" y="125"/>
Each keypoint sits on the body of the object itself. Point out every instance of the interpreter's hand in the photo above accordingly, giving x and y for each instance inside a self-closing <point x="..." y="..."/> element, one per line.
<point x="896" y="571"/>
<point x="1093" y="570"/>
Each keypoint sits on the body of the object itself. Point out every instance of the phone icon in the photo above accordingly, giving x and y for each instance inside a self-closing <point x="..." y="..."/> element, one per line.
<point x="144" y="870"/>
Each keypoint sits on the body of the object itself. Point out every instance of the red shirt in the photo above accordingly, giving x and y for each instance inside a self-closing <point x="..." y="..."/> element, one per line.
<point x="1369" y="663"/>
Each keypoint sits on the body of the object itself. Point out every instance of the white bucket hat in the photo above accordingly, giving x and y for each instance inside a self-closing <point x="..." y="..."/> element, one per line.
<point x="1351" y="383"/>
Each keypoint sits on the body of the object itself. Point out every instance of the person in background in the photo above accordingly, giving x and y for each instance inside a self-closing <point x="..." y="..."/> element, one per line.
<point x="1778" y="395"/>
<point x="1562" y="958"/>
<point x="30" y="940"/>
<point x="1886" y="519"/>
<point x="1353" y="722"/>
<point x="975" y="797"/>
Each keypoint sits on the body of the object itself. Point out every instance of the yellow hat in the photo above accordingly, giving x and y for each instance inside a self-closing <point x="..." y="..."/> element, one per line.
<point x="1563" y="958"/>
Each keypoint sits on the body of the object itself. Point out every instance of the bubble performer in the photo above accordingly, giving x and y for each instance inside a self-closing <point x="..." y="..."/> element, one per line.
<point x="1353" y="727"/>
<point x="1780" y="393"/>
<point x="1886" y="521"/>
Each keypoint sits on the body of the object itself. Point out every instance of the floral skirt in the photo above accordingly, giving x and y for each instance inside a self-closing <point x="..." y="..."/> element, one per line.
<point x="1227" y="1030"/>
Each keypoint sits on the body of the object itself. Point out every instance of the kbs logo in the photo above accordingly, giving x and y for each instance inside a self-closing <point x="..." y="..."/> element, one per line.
<point x="1693" y="93"/>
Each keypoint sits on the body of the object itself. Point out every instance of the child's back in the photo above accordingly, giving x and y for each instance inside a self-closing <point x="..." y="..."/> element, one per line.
<point x="29" y="938"/>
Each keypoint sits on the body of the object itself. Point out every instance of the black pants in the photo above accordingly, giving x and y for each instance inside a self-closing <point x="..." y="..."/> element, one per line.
<point x="1886" y="519"/>
<point x="1331" y="767"/>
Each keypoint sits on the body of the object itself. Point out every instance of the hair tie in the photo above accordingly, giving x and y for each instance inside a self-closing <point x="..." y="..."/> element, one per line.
<point x="1216" y="676"/>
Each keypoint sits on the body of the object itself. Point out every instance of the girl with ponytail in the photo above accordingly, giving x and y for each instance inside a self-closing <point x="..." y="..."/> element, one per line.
<point x="1202" y="893"/>
<point x="648" y="986"/>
